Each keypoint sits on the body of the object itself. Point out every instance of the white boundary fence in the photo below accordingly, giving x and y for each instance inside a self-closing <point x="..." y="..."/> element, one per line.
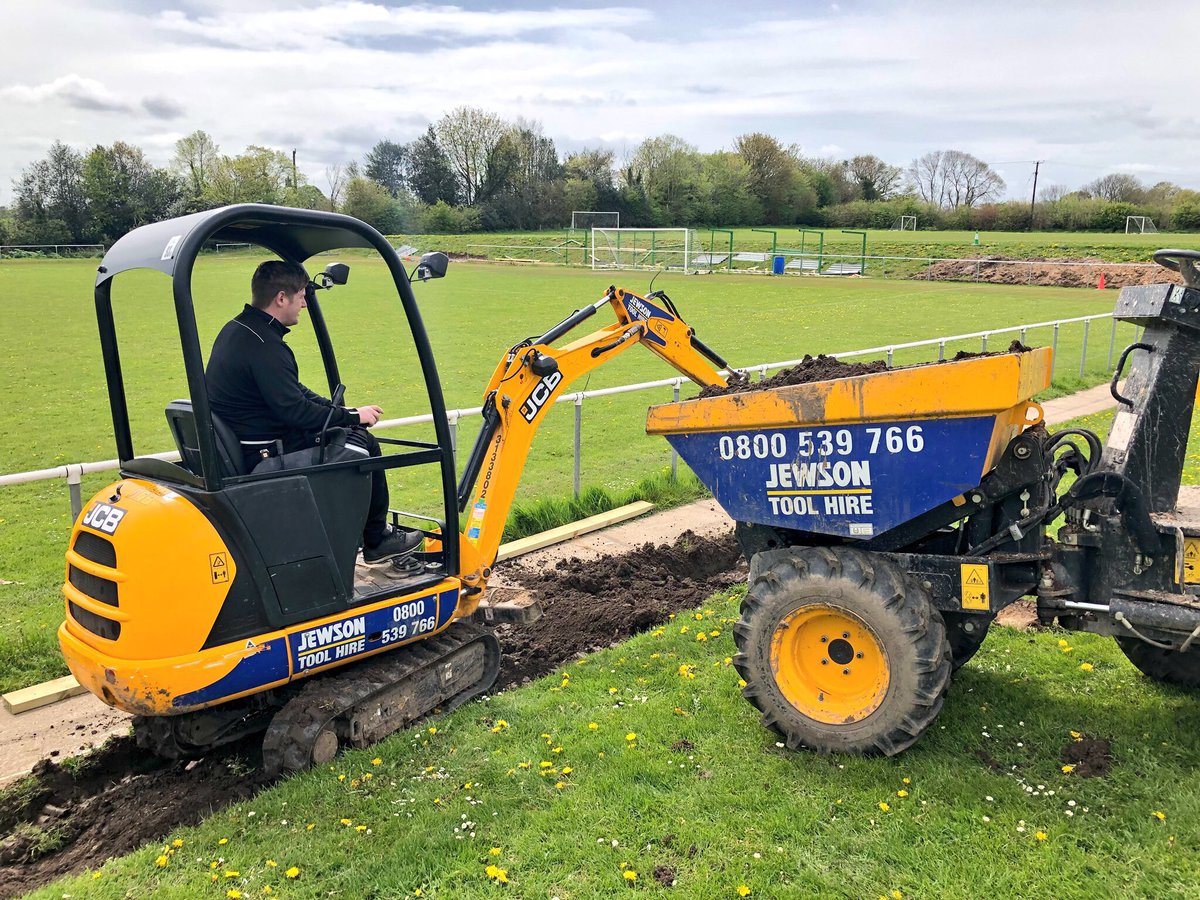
<point x="55" y="249"/>
<point x="74" y="472"/>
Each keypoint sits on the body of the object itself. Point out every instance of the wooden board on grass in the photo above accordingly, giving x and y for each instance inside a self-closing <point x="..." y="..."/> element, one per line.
<point x="42" y="694"/>
<point x="572" y="530"/>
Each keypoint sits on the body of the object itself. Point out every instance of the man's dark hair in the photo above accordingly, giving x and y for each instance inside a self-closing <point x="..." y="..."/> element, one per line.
<point x="273" y="276"/>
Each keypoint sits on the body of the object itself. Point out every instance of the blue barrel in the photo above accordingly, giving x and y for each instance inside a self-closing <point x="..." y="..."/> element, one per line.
<point x="777" y="267"/>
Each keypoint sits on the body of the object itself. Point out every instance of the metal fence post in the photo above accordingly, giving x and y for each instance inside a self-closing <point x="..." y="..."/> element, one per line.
<point x="578" y="438"/>
<point x="1054" y="352"/>
<point x="1023" y="336"/>
<point x="1112" y="341"/>
<point x="941" y="351"/>
<point x="452" y="419"/>
<point x="74" y="477"/>
<point x="674" y="455"/>
<point x="889" y="357"/>
<point x="1087" y="326"/>
<point x="983" y="346"/>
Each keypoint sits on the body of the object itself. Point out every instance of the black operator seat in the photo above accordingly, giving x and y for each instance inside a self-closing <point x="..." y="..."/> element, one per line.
<point x="182" y="422"/>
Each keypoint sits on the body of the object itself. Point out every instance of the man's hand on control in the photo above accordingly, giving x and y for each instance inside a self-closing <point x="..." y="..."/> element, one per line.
<point x="369" y="415"/>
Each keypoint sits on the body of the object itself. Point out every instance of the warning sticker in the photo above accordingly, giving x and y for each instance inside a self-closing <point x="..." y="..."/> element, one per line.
<point x="1191" y="560"/>
<point x="218" y="563"/>
<point x="974" y="586"/>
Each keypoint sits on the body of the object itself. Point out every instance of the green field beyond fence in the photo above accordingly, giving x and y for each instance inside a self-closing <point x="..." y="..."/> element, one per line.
<point x="51" y="373"/>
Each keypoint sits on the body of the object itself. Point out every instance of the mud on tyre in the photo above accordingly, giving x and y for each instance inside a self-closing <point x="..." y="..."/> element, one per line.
<point x="840" y="652"/>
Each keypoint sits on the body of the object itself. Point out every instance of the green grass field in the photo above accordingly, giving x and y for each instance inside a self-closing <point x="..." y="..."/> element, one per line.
<point x="51" y="370"/>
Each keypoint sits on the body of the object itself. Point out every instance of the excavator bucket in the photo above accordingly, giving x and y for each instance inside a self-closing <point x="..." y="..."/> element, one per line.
<point x="857" y="456"/>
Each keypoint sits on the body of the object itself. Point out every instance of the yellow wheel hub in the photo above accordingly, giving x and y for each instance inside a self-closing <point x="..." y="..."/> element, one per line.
<point x="829" y="664"/>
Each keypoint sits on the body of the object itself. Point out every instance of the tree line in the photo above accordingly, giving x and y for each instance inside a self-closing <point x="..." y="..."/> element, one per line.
<point x="474" y="171"/>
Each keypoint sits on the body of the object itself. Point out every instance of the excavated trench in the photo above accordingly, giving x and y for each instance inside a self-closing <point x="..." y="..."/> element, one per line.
<point x="73" y="816"/>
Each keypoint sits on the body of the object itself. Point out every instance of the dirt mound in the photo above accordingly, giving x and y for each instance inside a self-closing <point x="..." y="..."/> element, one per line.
<point x="597" y="604"/>
<point x="1064" y="272"/>
<point x="73" y="816"/>
<point x="1091" y="757"/>
<point x="826" y="368"/>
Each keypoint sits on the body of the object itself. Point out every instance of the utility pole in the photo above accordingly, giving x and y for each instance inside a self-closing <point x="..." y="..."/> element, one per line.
<point x="295" y="185"/>
<point x="1033" y="200"/>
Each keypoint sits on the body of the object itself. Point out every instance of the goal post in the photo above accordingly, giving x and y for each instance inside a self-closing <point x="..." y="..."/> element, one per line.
<point x="905" y="223"/>
<point x="587" y="219"/>
<point x="1140" y="225"/>
<point x="642" y="248"/>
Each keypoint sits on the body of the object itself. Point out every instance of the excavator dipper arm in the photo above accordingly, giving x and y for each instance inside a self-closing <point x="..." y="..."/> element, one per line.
<point x="532" y="376"/>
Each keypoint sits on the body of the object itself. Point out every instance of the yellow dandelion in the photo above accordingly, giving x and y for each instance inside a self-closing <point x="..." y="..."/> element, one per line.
<point x="612" y="690"/>
<point x="495" y="851"/>
<point x="1077" y="735"/>
<point x="467" y="785"/>
<point x="630" y="875"/>
<point x="293" y="872"/>
<point x="354" y="782"/>
<point x="233" y="894"/>
<point x="701" y="636"/>
<point x="884" y="805"/>
<point x="418" y="893"/>
<point x="95" y="875"/>
<point x="559" y="785"/>
<point x="432" y="729"/>
<point x="556" y="750"/>
<point x="500" y="723"/>
<point x="213" y="864"/>
<point x="687" y="670"/>
<point x="232" y="873"/>
<point x="377" y="761"/>
<point x="716" y="632"/>
<point x="347" y="822"/>
<point x="632" y="736"/>
<point x="743" y="891"/>
<point x="222" y="842"/>
<point x="683" y="629"/>
<point x="1068" y="769"/>
<point x="310" y="826"/>
<point x="341" y="778"/>
<point x="523" y="765"/>
<point x="1160" y="815"/>
<point x="161" y="861"/>
<point x="1040" y="835"/>
<point x="906" y="781"/>
<point x="360" y="828"/>
<point x="177" y="843"/>
<point x="896" y="895"/>
<point x="741" y="682"/>
<point x="267" y="889"/>
<point x="567" y="770"/>
<point x="368" y="776"/>
<point x="271" y="864"/>
<point x="497" y="874"/>
<point x="592" y="726"/>
<point x="1087" y="667"/>
<point x="902" y="793"/>
<point x="1061" y="642"/>
<point x="545" y="764"/>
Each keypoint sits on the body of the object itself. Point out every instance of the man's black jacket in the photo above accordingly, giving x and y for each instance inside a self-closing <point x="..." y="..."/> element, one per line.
<point x="254" y="385"/>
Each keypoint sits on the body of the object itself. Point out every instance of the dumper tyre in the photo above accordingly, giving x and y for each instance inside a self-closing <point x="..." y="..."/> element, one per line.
<point x="840" y="651"/>
<point x="1168" y="666"/>
<point x="964" y="644"/>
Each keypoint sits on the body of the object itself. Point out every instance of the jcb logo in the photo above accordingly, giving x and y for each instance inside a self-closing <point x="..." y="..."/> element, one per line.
<point x="104" y="518"/>
<point x="540" y="394"/>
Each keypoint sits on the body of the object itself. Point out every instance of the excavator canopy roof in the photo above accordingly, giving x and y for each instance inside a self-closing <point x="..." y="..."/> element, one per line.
<point x="291" y="233"/>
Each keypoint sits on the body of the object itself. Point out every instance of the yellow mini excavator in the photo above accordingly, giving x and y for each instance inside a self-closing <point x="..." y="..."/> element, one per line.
<point x="214" y="602"/>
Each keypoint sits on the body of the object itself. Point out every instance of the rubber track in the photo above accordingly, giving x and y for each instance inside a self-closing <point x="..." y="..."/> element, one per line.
<point x="288" y="743"/>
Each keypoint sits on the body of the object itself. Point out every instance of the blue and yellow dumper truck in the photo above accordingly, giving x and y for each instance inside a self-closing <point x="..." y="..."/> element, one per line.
<point x="889" y="516"/>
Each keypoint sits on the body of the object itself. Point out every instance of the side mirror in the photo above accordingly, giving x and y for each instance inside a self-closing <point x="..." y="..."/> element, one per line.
<point x="337" y="273"/>
<point x="433" y="265"/>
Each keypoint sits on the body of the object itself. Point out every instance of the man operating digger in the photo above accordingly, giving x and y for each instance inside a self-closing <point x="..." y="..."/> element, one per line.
<point x="254" y="386"/>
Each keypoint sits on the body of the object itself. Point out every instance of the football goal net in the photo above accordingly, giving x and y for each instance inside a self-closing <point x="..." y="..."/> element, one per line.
<point x="642" y="248"/>
<point x="905" y="223"/>
<point x="587" y="219"/>
<point x="1139" y="225"/>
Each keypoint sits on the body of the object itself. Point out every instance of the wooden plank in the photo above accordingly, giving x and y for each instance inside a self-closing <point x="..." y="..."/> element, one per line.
<point x="573" y="530"/>
<point x="42" y="694"/>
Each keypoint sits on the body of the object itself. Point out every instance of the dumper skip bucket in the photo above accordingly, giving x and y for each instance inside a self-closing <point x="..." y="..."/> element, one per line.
<point x="857" y="456"/>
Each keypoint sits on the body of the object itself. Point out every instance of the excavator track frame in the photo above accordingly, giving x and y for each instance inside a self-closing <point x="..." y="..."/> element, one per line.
<point x="364" y="703"/>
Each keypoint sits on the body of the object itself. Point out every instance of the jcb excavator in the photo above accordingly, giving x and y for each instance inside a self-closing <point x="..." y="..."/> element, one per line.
<point x="214" y="602"/>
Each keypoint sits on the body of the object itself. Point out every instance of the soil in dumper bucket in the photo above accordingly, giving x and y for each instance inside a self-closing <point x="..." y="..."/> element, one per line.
<point x="827" y="368"/>
<point x="67" y="818"/>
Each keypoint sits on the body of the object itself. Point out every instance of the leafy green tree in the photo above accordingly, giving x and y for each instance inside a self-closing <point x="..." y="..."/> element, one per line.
<point x="523" y="186"/>
<point x="387" y="164"/>
<point x="727" y="185"/>
<point x="430" y="176"/>
<point x="195" y="161"/>
<point x="370" y="201"/>
<point x="876" y="179"/>
<point x="51" y="206"/>
<point x="669" y="171"/>
<point x="590" y="182"/>
<point x="257" y="175"/>
<point x="124" y="190"/>
<point x="468" y="136"/>
<point x="775" y="178"/>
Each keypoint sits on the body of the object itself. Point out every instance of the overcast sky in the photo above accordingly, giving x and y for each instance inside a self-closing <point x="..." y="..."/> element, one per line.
<point x="1088" y="88"/>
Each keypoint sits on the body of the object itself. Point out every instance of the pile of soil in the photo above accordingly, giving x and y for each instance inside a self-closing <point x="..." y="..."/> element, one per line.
<point x="75" y="817"/>
<point x="827" y="368"/>
<point x="1064" y="272"/>
<point x="1091" y="757"/>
